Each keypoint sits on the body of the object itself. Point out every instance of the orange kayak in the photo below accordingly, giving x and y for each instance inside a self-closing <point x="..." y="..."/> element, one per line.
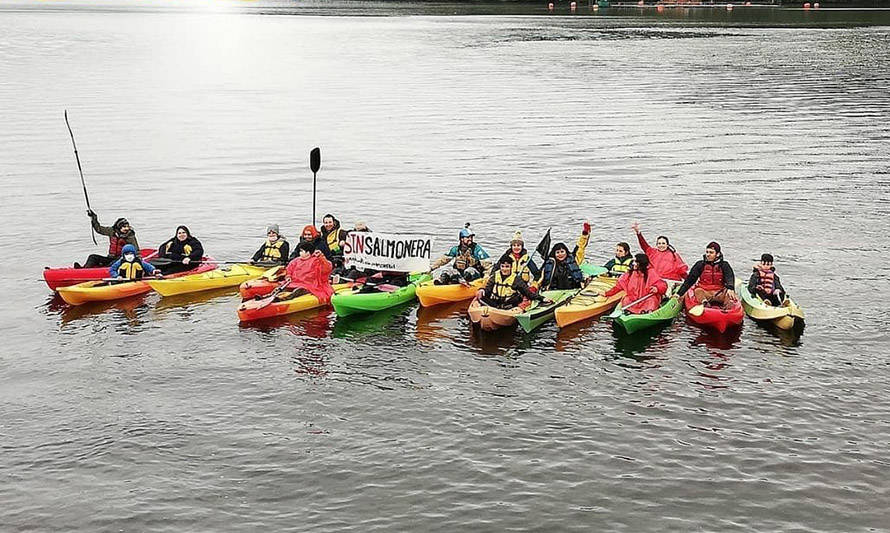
<point x="491" y="318"/>
<point x="431" y="294"/>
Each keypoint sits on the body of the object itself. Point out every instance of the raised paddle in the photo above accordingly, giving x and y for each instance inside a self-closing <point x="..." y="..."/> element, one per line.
<point x="314" y="165"/>
<point x="82" y="182"/>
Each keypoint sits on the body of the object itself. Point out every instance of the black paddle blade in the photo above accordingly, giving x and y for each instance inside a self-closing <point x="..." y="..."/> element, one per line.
<point x="544" y="246"/>
<point x="315" y="159"/>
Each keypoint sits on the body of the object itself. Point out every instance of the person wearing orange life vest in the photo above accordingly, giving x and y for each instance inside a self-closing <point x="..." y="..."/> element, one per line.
<point x="470" y="261"/>
<point x="275" y="250"/>
<point x="764" y="282"/>
<point x="712" y="278"/>
<point x="663" y="257"/>
<point x="619" y="264"/>
<point x="119" y="235"/>
<point x="643" y="279"/>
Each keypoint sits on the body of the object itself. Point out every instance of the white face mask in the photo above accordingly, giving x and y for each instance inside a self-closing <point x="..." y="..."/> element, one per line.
<point x="129" y="257"/>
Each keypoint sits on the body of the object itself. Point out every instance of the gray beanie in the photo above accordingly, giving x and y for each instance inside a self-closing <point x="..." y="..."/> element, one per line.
<point x="273" y="227"/>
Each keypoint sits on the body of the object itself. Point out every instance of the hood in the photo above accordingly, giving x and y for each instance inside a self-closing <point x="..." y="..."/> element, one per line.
<point x="129" y="249"/>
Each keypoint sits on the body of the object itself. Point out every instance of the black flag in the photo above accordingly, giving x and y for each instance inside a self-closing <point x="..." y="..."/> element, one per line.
<point x="543" y="248"/>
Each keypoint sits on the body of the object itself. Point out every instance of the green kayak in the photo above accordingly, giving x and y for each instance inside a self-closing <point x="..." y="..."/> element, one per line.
<point x="631" y="323"/>
<point x="355" y="301"/>
<point x="592" y="270"/>
<point x="539" y="313"/>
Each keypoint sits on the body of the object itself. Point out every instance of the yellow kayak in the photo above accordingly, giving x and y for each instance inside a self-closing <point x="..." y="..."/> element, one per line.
<point x="228" y="276"/>
<point x="786" y="316"/>
<point x="588" y="303"/>
<point x="431" y="294"/>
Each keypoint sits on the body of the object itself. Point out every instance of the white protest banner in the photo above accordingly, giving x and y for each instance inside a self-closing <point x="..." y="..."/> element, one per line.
<point x="388" y="251"/>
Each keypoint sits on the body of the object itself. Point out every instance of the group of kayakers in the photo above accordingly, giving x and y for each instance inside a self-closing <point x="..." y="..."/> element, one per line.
<point x="504" y="283"/>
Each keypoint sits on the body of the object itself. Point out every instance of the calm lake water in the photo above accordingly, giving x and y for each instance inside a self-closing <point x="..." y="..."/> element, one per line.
<point x="166" y="415"/>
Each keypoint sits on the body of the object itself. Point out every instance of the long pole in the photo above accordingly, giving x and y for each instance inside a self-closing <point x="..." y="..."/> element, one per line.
<point x="314" y="165"/>
<point x="79" y="169"/>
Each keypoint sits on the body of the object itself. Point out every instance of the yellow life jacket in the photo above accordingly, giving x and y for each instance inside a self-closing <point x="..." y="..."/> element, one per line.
<point x="132" y="270"/>
<point x="334" y="241"/>
<point x="186" y="250"/>
<point x="272" y="251"/>
<point x="621" y="266"/>
<point x="520" y="266"/>
<point x="503" y="287"/>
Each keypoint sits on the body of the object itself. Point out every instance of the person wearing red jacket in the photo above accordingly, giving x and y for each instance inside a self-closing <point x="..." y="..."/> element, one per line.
<point x="664" y="257"/>
<point x="712" y="278"/>
<point x="640" y="281"/>
<point x="311" y="271"/>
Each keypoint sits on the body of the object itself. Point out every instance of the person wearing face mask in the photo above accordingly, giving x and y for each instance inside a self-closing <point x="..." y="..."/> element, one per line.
<point x="560" y="270"/>
<point x="619" y="264"/>
<point x="183" y="251"/>
<point x="664" y="257"/>
<point x="311" y="235"/>
<point x="119" y="235"/>
<point x="275" y="250"/>
<point x="640" y="281"/>
<point x="520" y="262"/>
<point x="712" y="278"/>
<point x="130" y="266"/>
<point x="469" y="261"/>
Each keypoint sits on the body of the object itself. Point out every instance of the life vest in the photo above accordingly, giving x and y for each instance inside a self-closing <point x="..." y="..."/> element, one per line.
<point x="767" y="280"/>
<point x="115" y="245"/>
<point x="621" y="266"/>
<point x="334" y="240"/>
<point x="465" y="259"/>
<point x="186" y="249"/>
<point x="503" y="287"/>
<point x="272" y="251"/>
<point x="520" y="266"/>
<point x="711" y="278"/>
<point x="132" y="270"/>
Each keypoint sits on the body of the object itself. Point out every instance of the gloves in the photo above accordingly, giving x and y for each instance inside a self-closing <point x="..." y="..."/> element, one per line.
<point x="586" y="229"/>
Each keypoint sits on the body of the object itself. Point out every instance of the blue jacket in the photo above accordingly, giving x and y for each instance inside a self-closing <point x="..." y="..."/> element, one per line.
<point x="130" y="249"/>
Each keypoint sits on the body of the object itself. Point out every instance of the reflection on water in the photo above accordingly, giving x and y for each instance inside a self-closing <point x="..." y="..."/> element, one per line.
<point x="388" y="324"/>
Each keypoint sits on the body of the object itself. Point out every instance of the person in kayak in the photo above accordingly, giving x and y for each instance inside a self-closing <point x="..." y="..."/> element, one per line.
<point x="619" y="264"/>
<point x="311" y="235"/>
<point x="119" y="235"/>
<point x="764" y="282"/>
<point x="335" y="238"/>
<point x="130" y="266"/>
<point x="560" y="270"/>
<point x="275" y="250"/>
<point x="470" y="261"/>
<point x="183" y="252"/>
<point x="310" y="271"/>
<point x="505" y="289"/>
<point x="642" y="280"/>
<point x="352" y="273"/>
<point x="712" y="278"/>
<point x="664" y="257"/>
<point x="581" y="246"/>
<point x="520" y="262"/>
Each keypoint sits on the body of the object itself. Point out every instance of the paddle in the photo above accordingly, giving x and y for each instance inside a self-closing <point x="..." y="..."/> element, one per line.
<point x="267" y="301"/>
<point x="82" y="182"/>
<point x="314" y="165"/>
<point x="619" y="310"/>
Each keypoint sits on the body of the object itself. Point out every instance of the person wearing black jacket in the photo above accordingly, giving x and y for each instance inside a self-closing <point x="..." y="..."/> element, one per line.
<point x="505" y="289"/>
<point x="712" y="278"/>
<point x="275" y="250"/>
<point x="183" y="251"/>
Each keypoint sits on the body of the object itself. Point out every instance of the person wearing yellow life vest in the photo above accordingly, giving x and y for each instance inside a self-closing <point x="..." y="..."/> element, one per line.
<point x="622" y="261"/>
<point x="130" y="266"/>
<point x="275" y="250"/>
<point x="470" y="261"/>
<point x="506" y="289"/>
<point x="335" y="237"/>
<point x="520" y="261"/>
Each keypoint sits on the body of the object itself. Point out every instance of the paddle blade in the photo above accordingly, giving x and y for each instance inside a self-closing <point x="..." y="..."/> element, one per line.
<point x="543" y="247"/>
<point x="315" y="159"/>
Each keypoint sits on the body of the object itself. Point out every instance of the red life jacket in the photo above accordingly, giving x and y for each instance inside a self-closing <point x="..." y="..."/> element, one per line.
<point x="767" y="279"/>
<point x="711" y="277"/>
<point x="115" y="245"/>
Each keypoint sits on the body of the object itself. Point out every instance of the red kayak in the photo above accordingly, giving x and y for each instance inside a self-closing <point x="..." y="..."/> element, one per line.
<point x="260" y="287"/>
<point x="66" y="276"/>
<point x="714" y="317"/>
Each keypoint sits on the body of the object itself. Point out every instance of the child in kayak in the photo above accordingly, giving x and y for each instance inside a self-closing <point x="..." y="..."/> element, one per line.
<point x="119" y="235"/>
<point x="764" y="282"/>
<point x="183" y="252"/>
<point x="520" y="262"/>
<point x="470" y="261"/>
<point x="664" y="257"/>
<point x="505" y="289"/>
<point x="619" y="264"/>
<point x="712" y="278"/>
<point x="130" y="266"/>
<point x="561" y="271"/>
<point x="310" y="271"/>
<point x="642" y="280"/>
<point x="275" y="250"/>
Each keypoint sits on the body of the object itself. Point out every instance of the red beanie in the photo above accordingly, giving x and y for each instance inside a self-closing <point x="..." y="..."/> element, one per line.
<point x="714" y="246"/>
